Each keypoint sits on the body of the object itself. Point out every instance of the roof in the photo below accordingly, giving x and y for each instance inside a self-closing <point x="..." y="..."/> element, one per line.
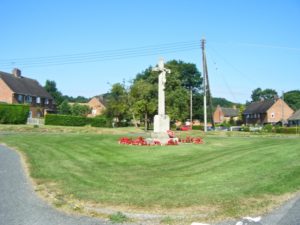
<point x="24" y="86"/>
<point x="259" y="107"/>
<point x="230" y="112"/>
<point x="101" y="99"/>
<point x="295" y="116"/>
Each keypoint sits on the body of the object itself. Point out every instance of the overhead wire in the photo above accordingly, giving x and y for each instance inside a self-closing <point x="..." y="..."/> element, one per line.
<point x="105" y="55"/>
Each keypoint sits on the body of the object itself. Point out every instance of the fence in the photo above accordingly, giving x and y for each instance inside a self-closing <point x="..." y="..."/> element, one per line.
<point x="35" y="121"/>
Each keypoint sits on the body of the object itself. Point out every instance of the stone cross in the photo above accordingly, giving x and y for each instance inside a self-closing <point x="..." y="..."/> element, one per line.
<point x="161" y="86"/>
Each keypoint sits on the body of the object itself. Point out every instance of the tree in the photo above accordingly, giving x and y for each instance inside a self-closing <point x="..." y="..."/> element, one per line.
<point x="117" y="103"/>
<point x="182" y="84"/>
<point x="190" y="78"/>
<point x="292" y="98"/>
<point x="143" y="99"/>
<point x="64" y="108"/>
<point x="259" y="94"/>
<point x="50" y="87"/>
<point x="80" y="110"/>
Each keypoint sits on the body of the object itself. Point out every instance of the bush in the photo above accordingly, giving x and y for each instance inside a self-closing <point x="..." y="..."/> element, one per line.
<point x="99" y="121"/>
<point x="245" y="128"/>
<point x="13" y="114"/>
<point x="66" y="120"/>
<point x="197" y="127"/>
<point x="287" y="130"/>
<point x="268" y="128"/>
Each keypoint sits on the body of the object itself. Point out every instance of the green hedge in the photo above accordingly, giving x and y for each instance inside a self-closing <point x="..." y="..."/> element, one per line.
<point x="65" y="120"/>
<point x="68" y="120"/>
<point x="197" y="127"/>
<point x="13" y="114"/>
<point x="99" y="121"/>
<point x="287" y="130"/>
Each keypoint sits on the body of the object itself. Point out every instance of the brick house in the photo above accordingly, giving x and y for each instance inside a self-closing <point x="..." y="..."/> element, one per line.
<point x="16" y="89"/>
<point x="97" y="105"/>
<point x="223" y="114"/>
<point x="267" y="111"/>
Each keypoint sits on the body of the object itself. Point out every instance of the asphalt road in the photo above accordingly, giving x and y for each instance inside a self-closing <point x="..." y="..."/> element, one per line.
<point x="19" y="205"/>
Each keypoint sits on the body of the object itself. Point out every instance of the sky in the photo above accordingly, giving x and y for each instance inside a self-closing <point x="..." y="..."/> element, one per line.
<point x="85" y="46"/>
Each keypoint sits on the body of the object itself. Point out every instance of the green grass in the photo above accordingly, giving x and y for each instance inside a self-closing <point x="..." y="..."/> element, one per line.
<point x="224" y="174"/>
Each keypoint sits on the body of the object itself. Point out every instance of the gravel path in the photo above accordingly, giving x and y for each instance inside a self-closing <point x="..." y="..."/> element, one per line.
<point x="19" y="205"/>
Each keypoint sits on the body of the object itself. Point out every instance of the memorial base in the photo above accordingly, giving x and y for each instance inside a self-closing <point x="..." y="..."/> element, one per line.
<point x="161" y="123"/>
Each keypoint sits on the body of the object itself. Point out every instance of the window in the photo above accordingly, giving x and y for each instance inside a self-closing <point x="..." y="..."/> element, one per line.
<point x="94" y="112"/>
<point x="28" y="99"/>
<point x="20" y="98"/>
<point x="38" y="100"/>
<point x="272" y="115"/>
<point x="46" y="101"/>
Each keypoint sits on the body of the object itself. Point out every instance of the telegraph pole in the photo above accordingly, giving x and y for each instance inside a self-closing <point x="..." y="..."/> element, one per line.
<point x="282" y="108"/>
<point x="204" y="83"/>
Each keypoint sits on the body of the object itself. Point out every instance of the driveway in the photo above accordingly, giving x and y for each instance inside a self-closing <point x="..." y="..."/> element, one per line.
<point x="19" y="204"/>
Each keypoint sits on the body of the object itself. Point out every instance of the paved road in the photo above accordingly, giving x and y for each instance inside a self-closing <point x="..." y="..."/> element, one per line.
<point x="19" y="205"/>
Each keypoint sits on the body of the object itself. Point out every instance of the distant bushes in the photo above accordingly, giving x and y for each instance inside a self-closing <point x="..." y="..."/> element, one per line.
<point x="13" y="114"/>
<point x="269" y="128"/>
<point x="69" y="120"/>
<point x="198" y="127"/>
<point x="65" y="120"/>
<point x="287" y="130"/>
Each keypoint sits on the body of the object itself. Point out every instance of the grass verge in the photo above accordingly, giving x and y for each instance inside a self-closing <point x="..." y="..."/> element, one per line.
<point x="226" y="177"/>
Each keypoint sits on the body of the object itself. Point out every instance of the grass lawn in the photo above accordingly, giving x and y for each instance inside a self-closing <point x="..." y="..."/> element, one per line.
<point x="226" y="176"/>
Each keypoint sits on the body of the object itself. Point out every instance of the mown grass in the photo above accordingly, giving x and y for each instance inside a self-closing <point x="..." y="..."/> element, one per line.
<point x="229" y="175"/>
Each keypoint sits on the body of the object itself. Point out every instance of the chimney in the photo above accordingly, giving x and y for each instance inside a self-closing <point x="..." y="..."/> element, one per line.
<point x="16" y="72"/>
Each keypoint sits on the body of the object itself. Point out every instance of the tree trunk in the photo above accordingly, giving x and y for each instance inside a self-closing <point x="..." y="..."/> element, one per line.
<point x="134" y="120"/>
<point x="146" y="121"/>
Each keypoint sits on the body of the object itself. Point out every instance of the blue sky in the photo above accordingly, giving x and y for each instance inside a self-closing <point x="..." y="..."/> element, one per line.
<point x="250" y="44"/>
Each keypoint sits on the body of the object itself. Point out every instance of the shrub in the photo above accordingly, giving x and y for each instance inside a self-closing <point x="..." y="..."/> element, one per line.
<point x="197" y="127"/>
<point x="13" y="114"/>
<point x="245" y="128"/>
<point x="99" y="121"/>
<point x="66" y="120"/>
<point x="69" y="120"/>
<point x="287" y="130"/>
<point x="268" y="128"/>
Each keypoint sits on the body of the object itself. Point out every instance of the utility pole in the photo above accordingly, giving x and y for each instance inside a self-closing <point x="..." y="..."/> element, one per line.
<point x="191" y="106"/>
<point x="204" y="83"/>
<point x="282" y="108"/>
<point x="207" y="92"/>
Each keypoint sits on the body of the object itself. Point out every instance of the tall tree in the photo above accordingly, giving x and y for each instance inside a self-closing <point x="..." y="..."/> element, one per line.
<point x="144" y="100"/>
<point x="190" y="78"/>
<point x="51" y="88"/>
<point x="117" y="107"/>
<point x="292" y="98"/>
<point x="259" y="94"/>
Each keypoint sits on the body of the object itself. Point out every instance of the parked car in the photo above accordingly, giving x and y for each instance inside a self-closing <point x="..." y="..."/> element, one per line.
<point x="185" y="128"/>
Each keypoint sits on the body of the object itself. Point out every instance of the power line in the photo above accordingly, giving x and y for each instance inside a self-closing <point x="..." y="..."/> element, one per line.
<point x="97" y="56"/>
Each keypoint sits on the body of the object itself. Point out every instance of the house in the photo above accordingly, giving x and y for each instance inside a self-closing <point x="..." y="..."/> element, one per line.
<point x="267" y="111"/>
<point x="97" y="105"/>
<point x="223" y="114"/>
<point x="16" y="89"/>
<point x="294" y="120"/>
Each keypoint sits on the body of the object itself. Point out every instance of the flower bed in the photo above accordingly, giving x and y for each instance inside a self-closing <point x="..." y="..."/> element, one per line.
<point x="150" y="142"/>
